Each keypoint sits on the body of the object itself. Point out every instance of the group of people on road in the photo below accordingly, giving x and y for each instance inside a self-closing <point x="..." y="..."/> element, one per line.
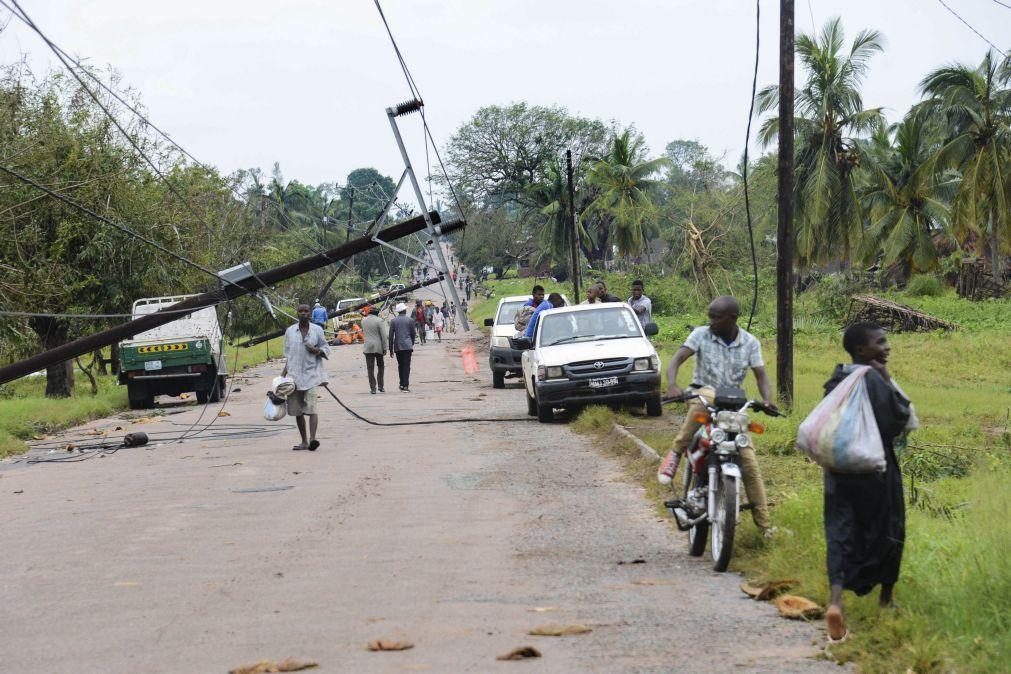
<point x="864" y="513"/>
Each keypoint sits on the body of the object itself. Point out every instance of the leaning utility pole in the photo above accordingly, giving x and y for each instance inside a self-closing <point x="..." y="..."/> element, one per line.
<point x="785" y="231"/>
<point x="573" y="247"/>
<point x="231" y="288"/>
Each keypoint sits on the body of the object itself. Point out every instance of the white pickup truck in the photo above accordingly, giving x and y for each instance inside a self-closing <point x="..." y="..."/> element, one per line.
<point x="591" y="354"/>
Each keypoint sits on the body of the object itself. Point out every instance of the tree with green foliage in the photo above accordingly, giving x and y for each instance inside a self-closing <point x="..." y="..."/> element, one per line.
<point x="624" y="204"/>
<point x="830" y="119"/>
<point x="908" y="196"/>
<point x="975" y="104"/>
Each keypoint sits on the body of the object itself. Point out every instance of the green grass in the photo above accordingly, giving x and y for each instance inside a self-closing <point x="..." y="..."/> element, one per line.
<point x="26" y="412"/>
<point x="956" y="574"/>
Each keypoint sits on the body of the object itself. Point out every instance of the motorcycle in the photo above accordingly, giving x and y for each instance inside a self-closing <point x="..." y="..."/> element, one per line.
<point x="711" y="473"/>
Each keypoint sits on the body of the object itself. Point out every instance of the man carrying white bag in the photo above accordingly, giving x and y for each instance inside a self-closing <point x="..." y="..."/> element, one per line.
<point x="852" y="434"/>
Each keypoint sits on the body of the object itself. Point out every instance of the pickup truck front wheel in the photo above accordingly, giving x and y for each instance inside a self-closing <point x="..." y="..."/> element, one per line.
<point x="498" y="379"/>
<point x="654" y="407"/>
<point x="545" y="413"/>
<point x="531" y="404"/>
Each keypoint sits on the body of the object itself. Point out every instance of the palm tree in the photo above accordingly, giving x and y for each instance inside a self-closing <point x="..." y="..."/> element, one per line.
<point x="975" y="103"/>
<point x="830" y="118"/>
<point x="625" y="202"/>
<point x="907" y="201"/>
<point x="549" y="201"/>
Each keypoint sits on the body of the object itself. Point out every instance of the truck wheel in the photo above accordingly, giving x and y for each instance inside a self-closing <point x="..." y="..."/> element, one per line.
<point x="545" y="413"/>
<point x="203" y="397"/>
<point x="654" y="407"/>
<point x="498" y="379"/>
<point x="218" y="391"/>
<point x="139" y="396"/>
<point x="531" y="404"/>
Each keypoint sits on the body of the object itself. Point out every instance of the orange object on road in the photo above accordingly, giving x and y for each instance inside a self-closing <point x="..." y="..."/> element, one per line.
<point x="357" y="334"/>
<point x="469" y="360"/>
<point x="344" y="337"/>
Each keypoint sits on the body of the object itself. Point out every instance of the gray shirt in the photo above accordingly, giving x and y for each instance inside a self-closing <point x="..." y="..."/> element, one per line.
<point x="376" y="332"/>
<point x="643" y="308"/>
<point x="402" y="333"/>
<point x="306" y="369"/>
<point x="720" y="364"/>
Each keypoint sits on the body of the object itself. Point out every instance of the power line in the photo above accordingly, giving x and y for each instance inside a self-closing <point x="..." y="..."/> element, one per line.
<point x="1002" y="4"/>
<point x="970" y="27"/>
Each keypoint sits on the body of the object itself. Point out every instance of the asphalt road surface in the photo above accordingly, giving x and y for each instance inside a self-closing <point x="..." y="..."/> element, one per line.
<point x="229" y="548"/>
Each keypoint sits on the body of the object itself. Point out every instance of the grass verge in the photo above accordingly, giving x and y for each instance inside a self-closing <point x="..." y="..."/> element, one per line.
<point x="25" y="411"/>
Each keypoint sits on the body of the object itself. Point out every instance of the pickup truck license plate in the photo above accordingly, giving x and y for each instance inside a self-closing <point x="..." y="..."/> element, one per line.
<point x="603" y="382"/>
<point x="152" y="365"/>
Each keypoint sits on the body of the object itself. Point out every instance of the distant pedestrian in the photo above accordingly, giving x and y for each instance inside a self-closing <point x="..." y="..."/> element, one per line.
<point x="421" y="323"/>
<point x="319" y="315"/>
<point x="401" y="342"/>
<point x="305" y="348"/>
<point x="641" y="305"/>
<point x="865" y="517"/>
<point x="377" y="334"/>
<point x="438" y="324"/>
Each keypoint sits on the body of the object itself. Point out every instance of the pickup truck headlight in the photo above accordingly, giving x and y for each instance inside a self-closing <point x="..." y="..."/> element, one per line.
<point x="644" y="364"/>
<point x="550" y="372"/>
<point x="502" y="342"/>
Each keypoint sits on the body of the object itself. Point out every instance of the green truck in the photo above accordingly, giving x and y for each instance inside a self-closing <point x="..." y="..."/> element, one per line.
<point x="186" y="355"/>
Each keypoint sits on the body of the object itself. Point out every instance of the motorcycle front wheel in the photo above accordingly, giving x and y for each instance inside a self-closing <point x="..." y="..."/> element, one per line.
<point x="724" y="522"/>
<point x="697" y="534"/>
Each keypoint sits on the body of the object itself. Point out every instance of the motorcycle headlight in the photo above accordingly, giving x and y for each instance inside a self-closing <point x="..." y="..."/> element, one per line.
<point x="645" y="364"/>
<point x="742" y="440"/>
<point x="717" y="435"/>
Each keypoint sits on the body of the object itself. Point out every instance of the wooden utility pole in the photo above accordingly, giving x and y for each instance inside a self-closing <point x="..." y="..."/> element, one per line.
<point x="573" y="244"/>
<point x="784" y="231"/>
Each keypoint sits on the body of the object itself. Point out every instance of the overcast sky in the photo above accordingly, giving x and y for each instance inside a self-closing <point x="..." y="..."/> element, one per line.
<point x="245" y="83"/>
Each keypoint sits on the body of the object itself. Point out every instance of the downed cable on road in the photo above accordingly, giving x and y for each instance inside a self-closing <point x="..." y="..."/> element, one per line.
<point x="472" y="420"/>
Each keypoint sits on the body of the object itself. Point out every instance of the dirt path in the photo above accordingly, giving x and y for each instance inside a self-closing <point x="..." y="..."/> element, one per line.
<point x="175" y="559"/>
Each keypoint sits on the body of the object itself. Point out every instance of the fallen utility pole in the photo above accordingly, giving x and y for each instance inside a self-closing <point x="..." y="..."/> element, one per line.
<point x="784" y="230"/>
<point x="227" y="292"/>
<point x="253" y="341"/>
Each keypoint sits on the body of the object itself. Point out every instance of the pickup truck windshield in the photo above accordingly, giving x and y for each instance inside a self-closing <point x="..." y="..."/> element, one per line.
<point x="507" y="312"/>
<point x="587" y="326"/>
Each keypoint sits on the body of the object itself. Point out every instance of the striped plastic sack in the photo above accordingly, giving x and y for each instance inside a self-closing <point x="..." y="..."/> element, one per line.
<point x="840" y="434"/>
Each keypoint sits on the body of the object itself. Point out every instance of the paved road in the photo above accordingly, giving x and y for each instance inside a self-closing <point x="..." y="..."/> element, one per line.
<point x="200" y="556"/>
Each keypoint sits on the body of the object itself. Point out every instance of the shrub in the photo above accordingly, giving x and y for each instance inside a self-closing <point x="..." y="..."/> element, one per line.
<point x="925" y="285"/>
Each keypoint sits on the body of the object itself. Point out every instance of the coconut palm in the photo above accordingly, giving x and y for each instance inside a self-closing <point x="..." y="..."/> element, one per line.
<point x="624" y="202"/>
<point x="907" y="201"/>
<point x="830" y="119"/>
<point x="549" y="201"/>
<point x="975" y="104"/>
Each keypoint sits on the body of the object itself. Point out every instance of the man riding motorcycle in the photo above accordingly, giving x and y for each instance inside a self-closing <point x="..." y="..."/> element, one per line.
<point x="723" y="354"/>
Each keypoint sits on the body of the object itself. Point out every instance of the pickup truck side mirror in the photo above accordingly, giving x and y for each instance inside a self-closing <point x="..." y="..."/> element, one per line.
<point x="489" y="322"/>
<point x="651" y="329"/>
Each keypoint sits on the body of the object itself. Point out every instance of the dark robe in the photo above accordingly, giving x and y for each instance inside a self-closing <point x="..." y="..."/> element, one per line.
<point x="865" y="516"/>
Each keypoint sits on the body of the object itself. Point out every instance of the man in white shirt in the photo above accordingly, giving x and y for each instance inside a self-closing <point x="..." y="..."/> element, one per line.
<point x="305" y="348"/>
<point x="641" y="305"/>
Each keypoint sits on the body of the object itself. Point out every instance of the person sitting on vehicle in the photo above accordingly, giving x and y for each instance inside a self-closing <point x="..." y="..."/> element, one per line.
<point x="522" y="318"/>
<point x="553" y="302"/>
<point x="723" y="354"/>
<point x="591" y="295"/>
<point x="603" y="295"/>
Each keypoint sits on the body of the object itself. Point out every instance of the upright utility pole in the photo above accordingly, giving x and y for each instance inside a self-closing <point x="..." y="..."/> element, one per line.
<point x="351" y="203"/>
<point x="784" y="230"/>
<point x="573" y="248"/>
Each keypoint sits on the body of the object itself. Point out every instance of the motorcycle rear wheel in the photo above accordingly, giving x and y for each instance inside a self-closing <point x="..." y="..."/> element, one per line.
<point x="725" y="523"/>
<point x="697" y="534"/>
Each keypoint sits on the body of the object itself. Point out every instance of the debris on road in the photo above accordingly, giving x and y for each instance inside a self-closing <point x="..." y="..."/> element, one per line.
<point x="792" y="606"/>
<point x="389" y="645"/>
<point x="543" y="609"/>
<point x="521" y="653"/>
<point x="269" y="666"/>
<point x="556" y="630"/>
<point x="769" y="590"/>
<point x="256" y="490"/>
<point x="634" y="561"/>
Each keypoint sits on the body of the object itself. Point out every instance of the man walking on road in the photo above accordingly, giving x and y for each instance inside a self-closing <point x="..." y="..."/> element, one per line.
<point x="319" y="315"/>
<point x="420" y="320"/>
<point x="305" y="348"/>
<point x="402" y="344"/>
<point x="376" y="333"/>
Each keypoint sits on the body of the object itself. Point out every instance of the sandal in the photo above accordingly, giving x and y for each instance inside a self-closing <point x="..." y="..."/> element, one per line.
<point x="314" y="445"/>
<point x="298" y="448"/>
